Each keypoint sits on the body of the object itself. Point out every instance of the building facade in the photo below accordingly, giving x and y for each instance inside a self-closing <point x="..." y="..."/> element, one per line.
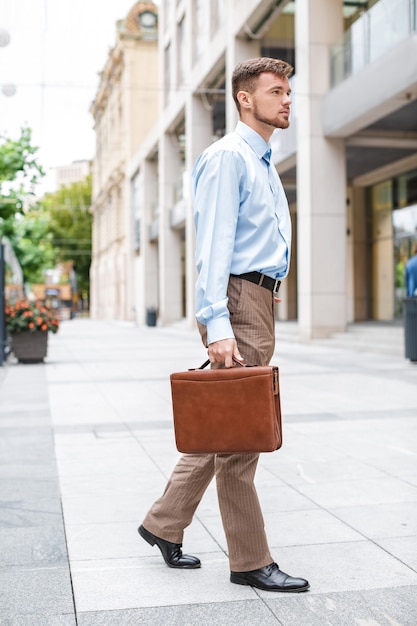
<point x="76" y="172"/>
<point x="124" y="109"/>
<point x="348" y="162"/>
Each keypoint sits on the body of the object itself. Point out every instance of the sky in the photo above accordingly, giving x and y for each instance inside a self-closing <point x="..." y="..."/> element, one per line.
<point x="57" y="49"/>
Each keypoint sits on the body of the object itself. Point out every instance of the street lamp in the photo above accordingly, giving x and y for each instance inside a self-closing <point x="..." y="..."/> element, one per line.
<point x="4" y="38"/>
<point x="8" y="89"/>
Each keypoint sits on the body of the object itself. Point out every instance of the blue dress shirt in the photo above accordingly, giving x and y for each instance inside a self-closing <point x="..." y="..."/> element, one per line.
<point x="242" y="222"/>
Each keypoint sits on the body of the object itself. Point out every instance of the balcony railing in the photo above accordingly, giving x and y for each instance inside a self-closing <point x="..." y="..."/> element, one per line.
<point x="378" y="30"/>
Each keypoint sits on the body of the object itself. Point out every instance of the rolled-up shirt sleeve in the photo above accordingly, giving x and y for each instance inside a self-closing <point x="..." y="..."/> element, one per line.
<point x="215" y="179"/>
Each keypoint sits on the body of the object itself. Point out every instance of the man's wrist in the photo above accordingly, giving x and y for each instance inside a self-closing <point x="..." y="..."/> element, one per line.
<point x="218" y="329"/>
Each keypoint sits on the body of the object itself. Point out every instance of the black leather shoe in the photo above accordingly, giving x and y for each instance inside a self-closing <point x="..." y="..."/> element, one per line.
<point x="270" y="578"/>
<point x="171" y="552"/>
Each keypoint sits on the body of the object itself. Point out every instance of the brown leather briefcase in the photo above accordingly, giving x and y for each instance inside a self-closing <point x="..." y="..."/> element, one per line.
<point x="228" y="410"/>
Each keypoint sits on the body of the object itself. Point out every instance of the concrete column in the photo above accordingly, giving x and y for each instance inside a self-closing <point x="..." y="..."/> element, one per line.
<point x="148" y="249"/>
<point x="237" y="50"/>
<point x="287" y="308"/>
<point x="130" y="255"/>
<point x="145" y="262"/>
<point x="170" y="290"/>
<point x="321" y="178"/>
<point x="94" y="276"/>
<point x="350" y="257"/>
<point x="360" y="254"/>
<point x="383" y="307"/>
<point x="198" y="131"/>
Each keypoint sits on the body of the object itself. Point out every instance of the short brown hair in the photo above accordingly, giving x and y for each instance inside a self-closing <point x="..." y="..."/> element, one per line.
<point x="245" y="74"/>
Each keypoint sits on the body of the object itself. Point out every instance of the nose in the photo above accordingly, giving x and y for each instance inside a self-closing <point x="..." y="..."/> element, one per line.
<point x="287" y="99"/>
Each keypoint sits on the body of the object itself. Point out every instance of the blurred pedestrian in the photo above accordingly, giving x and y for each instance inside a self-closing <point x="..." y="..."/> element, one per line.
<point x="411" y="274"/>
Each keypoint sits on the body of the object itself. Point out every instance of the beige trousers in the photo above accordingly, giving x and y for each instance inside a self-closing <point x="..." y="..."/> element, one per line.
<point x="252" y="315"/>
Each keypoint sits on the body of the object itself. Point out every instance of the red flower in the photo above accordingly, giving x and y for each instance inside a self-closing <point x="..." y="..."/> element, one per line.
<point x="27" y="315"/>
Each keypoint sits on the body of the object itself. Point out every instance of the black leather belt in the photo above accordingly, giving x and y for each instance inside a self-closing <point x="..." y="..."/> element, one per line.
<point x="272" y="284"/>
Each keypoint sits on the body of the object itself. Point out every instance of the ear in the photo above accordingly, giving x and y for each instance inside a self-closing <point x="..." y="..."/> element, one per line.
<point x="245" y="99"/>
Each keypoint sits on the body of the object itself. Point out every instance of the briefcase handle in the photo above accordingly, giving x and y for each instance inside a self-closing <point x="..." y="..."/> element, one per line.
<point x="208" y="362"/>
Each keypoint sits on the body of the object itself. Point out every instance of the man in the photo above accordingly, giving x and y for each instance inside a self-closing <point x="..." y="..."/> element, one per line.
<point x="411" y="274"/>
<point x="243" y="238"/>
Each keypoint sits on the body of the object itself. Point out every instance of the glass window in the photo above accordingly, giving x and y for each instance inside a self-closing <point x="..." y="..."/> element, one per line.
<point x="389" y="23"/>
<point x="371" y="34"/>
<point x="393" y="205"/>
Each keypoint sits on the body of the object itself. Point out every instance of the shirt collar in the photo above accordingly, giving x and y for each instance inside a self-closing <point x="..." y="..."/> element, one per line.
<point x="253" y="139"/>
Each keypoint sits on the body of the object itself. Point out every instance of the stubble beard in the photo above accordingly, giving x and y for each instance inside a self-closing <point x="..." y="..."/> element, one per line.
<point x="275" y="122"/>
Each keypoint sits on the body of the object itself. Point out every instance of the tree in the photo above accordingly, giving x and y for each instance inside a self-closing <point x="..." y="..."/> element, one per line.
<point x="26" y="229"/>
<point x="19" y="173"/>
<point x="32" y="242"/>
<point x="69" y="223"/>
<point x="54" y="229"/>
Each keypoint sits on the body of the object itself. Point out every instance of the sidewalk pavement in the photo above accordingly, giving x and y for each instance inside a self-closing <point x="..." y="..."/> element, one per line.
<point x="87" y="445"/>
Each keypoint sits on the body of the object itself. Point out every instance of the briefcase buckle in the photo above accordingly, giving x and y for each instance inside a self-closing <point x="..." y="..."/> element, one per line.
<point x="276" y="382"/>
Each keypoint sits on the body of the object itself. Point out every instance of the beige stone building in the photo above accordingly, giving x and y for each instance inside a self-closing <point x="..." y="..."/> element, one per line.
<point x="75" y="172"/>
<point x="124" y="109"/>
<point x="348" y="162"/>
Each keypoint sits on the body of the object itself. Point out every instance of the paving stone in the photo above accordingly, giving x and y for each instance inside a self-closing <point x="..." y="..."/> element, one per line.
<point x="350" y="566"/>
<point x="37" y="545"/>
<point x="35" y="590"/>
<point x="251" y="613"/>
<point x="377" y="491"/>
<point x="289" y="528"/>
<point x="35" y="585"/>
<point x="39" y="619"/>
<point x="397" y="519"/>
<point x="377" y="607"/>
<point x="403" y="548"/>
<point x="117" y="584"/>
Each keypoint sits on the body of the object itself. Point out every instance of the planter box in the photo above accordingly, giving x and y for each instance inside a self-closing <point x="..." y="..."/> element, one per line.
<point x="30" y="347"/>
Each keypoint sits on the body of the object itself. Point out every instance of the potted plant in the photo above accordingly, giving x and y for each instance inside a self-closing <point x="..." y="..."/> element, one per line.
<point x="28" y="323"/>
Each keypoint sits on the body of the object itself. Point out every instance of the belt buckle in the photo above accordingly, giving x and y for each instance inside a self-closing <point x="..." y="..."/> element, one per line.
<point x="276" y="285"/>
